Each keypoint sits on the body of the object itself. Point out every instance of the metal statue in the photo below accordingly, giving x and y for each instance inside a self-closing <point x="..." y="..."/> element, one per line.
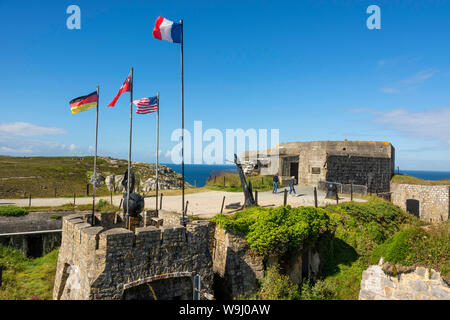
<point x="249" y="200"/>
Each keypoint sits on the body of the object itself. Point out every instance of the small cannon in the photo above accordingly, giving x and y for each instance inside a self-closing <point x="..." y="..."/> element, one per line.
<point x="136" y="200"/>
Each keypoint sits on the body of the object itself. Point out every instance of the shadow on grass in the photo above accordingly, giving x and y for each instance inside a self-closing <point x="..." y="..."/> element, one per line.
<point x="336" y="252"/>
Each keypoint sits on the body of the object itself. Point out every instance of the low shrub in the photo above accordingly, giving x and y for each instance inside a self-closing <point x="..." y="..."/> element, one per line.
<point x="276" y="286"/>
<point x="275" y="230"/>
<point x="12" y="211"/>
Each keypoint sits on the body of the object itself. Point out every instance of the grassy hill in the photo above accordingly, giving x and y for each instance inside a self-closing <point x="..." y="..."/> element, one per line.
<point x="41" y="176"/>
<point x="402" y="178"/>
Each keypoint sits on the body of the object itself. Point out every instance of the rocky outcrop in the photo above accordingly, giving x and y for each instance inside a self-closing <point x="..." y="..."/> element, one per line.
<point x="145" y="177"/>
<point x="114" y="182"/>
<point x="387" y="281"/>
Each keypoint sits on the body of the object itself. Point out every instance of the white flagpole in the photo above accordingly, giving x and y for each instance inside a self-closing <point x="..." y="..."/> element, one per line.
<point x="157" y="149"/>
<point x="129" y="150"/>
<point x="95" y="158"/>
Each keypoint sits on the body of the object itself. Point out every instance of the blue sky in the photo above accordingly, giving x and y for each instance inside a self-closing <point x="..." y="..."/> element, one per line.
<point x="311" y="69"/>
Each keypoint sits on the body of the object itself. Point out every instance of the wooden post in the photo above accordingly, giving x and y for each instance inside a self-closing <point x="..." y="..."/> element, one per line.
<point x="185" y="210"/>
<point x="74" y="199"/>
<point x="121" y="200"/>
<point x="285" y="197"/>
<point x="55" y="192"/>
<point x="337" y="197"/>
<point x="29" y="200"/>
<point x="224" y="181"/>
<point x="223" y="202"/>
<point x="111" y="198"/>
<point x="256" y="197"/>
<point x="315" y="197"/>
<point x="351" y="191"/>
<point x="87" y="189"/>
<point x="160" y="202"/>
<point x="262" y="181"/>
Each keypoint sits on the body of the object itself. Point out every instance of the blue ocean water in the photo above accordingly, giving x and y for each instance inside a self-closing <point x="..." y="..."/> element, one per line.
<point x="197" y="174"/>
<point x="427" y="175"/>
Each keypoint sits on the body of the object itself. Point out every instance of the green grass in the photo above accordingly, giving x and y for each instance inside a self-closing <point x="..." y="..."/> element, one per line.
<point x="40" y="176"/>
<point x="361" y="228"/>
<point x="27" y="279"/>
<point x="12" y="211"/>
<point x="101" y="206"/>
<point x="427" y="247"/>
<point x="233" y="183"/>
<point x="401" y="178"/>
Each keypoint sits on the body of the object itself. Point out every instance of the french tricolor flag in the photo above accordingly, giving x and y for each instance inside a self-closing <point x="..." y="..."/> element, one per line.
<point x="167" y="30"/>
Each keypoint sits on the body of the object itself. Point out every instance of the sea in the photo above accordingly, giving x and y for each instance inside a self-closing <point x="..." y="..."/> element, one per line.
<point x="198" y="174"/>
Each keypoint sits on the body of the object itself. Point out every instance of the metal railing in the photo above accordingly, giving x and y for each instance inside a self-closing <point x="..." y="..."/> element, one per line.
<point x="344" y="187"/>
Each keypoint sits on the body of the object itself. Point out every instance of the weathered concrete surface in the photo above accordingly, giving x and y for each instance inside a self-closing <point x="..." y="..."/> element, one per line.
<point x="368" y="163"/>
<point x="419" y="284"/>
<point x="434" y="200"/>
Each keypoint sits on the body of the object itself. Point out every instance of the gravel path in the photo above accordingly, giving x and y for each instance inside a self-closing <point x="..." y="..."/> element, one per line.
<point x="202" y="204"/>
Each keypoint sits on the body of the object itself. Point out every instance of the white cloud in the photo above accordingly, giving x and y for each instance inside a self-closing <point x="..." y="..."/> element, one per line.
<point x="427" y="124"/>
<point x="25" y="129"/>
<point x="410" y="83"/>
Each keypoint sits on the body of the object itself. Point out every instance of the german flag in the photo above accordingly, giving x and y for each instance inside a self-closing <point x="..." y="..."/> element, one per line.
<point x="84" y="103"/>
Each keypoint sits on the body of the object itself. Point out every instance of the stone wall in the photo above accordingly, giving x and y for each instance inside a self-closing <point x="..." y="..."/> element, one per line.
<point x="375" y="173"/>
<point x="99" y="263"/>
<point x="417" y="284"/>
<point x="235" y="266"/>
<point x="434" y="200"/>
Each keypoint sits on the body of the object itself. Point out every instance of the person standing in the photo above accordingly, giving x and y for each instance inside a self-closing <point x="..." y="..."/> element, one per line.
<point x="291" y="185"/>
<point x="275" y="183"/>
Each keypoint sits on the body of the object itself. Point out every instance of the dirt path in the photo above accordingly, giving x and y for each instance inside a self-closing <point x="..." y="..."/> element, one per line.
<point x="202" y="204"/>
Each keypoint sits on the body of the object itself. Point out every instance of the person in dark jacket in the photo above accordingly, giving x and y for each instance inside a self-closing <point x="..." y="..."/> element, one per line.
<point x="291" y="185"/>
<point x="275" y="183"/>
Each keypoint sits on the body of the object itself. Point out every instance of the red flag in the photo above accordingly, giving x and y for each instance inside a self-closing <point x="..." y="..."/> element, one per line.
<point x="126" y="87"/>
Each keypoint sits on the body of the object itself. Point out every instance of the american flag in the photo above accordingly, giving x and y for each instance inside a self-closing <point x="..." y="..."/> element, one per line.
<point x="146" y="105"/>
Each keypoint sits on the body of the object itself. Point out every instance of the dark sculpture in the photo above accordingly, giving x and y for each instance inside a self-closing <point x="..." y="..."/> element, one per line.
<point x="331" y="190"/>
<point x="249" y="200"/>
<point x="136" y="200"/>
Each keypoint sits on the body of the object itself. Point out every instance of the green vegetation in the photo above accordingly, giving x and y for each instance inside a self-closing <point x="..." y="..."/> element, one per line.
<point x="233" y="183"/>
<point x="350" y="237"/>
<point x="55" y="216"/>
<point x="360" y="228"/>
<point x="24" y="278"/>
<point x="276" y="286"/>
<point x="427" y="247"/>
<point x="101" y="206"/>
<point x="275" y="230"/>
<point x="12" y="211"/>
<point x="40" y="177"/>
<point x="401" y="178"/>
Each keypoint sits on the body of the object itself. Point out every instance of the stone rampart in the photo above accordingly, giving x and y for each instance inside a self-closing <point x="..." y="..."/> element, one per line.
<point x="99" y="263"/>
<point x="235" y="265"/>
